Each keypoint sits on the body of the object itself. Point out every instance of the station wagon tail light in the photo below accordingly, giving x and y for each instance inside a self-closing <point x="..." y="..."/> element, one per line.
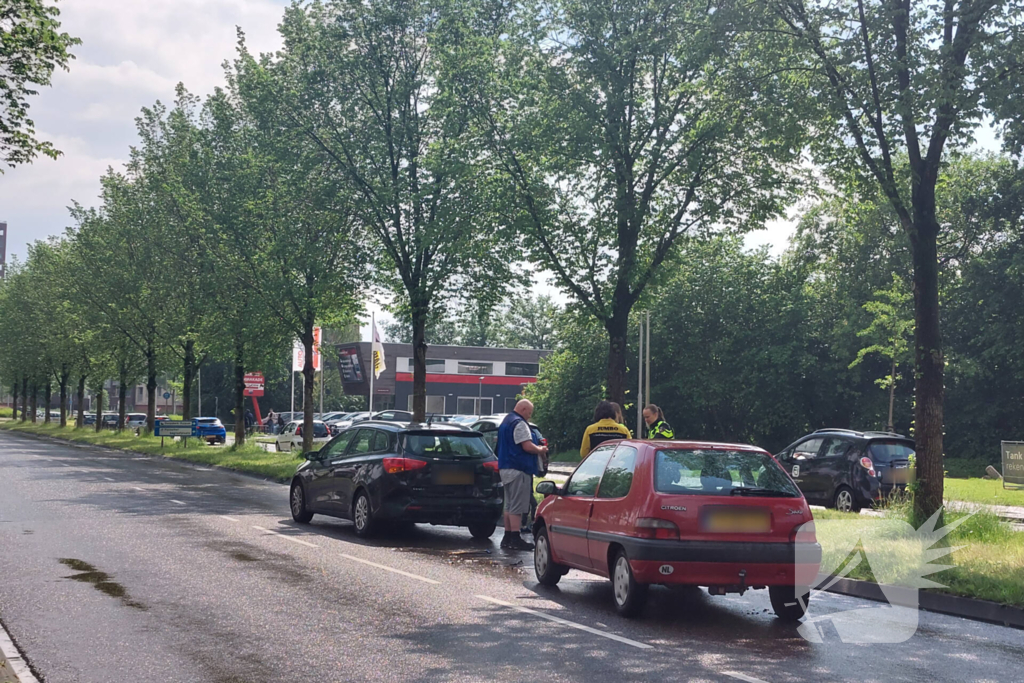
<point x="396" y="465"/>
<point x="491" y="465"/>
<point x="867" y="464"/>
<point x="651" y="527"/>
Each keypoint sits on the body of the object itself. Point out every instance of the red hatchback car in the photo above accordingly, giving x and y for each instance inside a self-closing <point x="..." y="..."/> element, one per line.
<point x="723" y="516"/>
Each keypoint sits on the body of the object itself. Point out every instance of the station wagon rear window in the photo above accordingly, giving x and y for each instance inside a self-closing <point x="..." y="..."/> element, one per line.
<point x="887" y="452"/>
<point x="714" y="472"/>
<point x="446" y="446"/>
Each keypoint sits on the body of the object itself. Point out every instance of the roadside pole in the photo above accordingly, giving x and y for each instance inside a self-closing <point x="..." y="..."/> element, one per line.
<point x="647" y="363"/>
<point x="199" y="392"/>
<point x="640" y="385"/>
<point x="293" y="394"/>
<point x="373" y="324"/>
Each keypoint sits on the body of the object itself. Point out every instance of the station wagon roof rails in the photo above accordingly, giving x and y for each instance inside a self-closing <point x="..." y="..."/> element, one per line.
<point x="836" y="429"/>
<point x="885" y="434"/>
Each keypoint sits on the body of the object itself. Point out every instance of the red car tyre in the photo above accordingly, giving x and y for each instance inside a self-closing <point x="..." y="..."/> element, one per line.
<point x="630" y="596"/>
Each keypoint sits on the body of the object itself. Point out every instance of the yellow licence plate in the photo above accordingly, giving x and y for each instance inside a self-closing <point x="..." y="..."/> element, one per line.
<point x="736" y="521"/>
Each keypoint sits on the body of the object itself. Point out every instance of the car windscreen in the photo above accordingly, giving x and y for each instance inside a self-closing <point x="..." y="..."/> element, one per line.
<point x="887" y="451"/>
<point x="716" y="472"/>
<point x="455" y="445"/>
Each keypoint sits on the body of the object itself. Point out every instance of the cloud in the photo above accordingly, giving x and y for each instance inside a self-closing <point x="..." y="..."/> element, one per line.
<point x="133" y="53"/>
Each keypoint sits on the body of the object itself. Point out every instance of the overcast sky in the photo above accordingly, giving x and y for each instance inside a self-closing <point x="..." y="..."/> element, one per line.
<point x="133" y="53"/>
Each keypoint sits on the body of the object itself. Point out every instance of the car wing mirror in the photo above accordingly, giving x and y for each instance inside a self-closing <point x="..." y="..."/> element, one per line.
<point x="547" y="488"/>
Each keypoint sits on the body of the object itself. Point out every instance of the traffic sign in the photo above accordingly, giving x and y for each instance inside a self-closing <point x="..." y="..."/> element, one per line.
<point x="1013" y="463"/>
<point x="167" y="394"/>
<point x="173" y="428"/>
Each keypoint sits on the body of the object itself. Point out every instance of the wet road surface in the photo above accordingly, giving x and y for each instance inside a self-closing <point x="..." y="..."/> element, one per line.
<point x="124" y="568"/>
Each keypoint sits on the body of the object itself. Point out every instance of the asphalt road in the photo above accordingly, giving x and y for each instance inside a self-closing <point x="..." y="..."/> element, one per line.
<point x="121" y="568"/>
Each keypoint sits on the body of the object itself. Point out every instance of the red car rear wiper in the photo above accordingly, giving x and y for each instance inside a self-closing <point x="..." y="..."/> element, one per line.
<point x="757" y="491"/>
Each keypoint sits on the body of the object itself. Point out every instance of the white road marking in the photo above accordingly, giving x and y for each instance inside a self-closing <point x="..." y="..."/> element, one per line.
<point x="566" y="622"/>
<point x="744" y="677"/>
<point x="177" y="502"/>
<point x="64" y="464"/>
<point x="287" y="538"/>
<point x="14" y="660"/>
<point x="108" y="478"/>
<point x="138" y="489"/>
<point x="391" y="569"/>
<point x="230" y="519"/>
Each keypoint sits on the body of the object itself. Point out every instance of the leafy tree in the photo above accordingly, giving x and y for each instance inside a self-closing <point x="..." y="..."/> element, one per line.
<point x="890" y="330"/>
<point x="622" y="127"/>
<point x="880" y="80"/>
<point x="370" y="85"/>
<point x="31" y="47"/>
<point x="527" y="323"/>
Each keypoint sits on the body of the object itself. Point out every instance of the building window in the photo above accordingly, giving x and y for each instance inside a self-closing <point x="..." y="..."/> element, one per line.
<point x="474" y="368"/>
<point x="522" y="369"/>
<point x="435" y="405"/>
<point x="473" y="405"/>
<point x="434" y="365"/>
<point x="510" y="405"/>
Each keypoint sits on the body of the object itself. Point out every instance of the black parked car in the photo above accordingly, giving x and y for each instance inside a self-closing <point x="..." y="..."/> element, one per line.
<point x="848" y="470"/>
<point x="379" y="472"/>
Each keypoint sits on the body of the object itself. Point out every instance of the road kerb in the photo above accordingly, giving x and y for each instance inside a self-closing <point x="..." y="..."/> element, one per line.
<point x="13" y="661"/>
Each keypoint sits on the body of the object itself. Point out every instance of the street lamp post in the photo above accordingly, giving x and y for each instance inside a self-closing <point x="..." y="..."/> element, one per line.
<point x="480" y="398"/>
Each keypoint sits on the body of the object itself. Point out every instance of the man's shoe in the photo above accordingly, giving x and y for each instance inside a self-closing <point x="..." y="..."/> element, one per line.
<point x="506" y="540"/>
<point x="517" y="543"/>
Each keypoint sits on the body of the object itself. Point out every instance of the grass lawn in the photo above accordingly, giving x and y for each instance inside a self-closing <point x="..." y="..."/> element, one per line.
<point x="987" y="491"/>
<point x="988" y="562"/>
<point x="249" y="458"/>
<point x="566" y="456"/>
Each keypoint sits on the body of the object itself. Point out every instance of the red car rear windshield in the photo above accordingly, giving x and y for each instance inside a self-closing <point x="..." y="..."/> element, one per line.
<point x="713" y="472"/>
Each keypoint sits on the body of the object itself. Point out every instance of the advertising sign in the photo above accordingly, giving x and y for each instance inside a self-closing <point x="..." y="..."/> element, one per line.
<point x="351" y="366"/>
<point x="299" y="352"/>
<point x="1013" y="462"/>
<point x="253" y="384"/>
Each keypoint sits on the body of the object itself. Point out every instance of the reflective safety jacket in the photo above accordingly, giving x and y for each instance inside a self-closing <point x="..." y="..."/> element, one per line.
<point x="660" y="430"/>
<point x="599" y="432"/>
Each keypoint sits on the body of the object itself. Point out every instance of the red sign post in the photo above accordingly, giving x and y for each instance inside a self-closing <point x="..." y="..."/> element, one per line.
<point x="254" y="387"/>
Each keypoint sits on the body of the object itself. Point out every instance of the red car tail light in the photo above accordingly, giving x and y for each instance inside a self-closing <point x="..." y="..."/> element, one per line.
<point x="491" y="465"/>
<point x="396" y="465"/>
<point x="651" y="527"/>
<point x="867" y="464"/>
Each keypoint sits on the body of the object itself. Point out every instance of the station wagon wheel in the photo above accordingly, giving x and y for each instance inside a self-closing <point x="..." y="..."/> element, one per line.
<point x="362" y="515"/>
<point x="548" y="571"/>
<point x="630" y="596"/>
<point x="844" y="501"/>
<point x="298" y="504"/>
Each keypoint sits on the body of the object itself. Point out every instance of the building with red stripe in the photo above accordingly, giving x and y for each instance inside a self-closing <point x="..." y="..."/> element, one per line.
<point x="461" y="380"/>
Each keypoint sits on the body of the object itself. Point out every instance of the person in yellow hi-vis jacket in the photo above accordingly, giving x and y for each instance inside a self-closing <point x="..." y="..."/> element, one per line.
<point x="605" y="428"/>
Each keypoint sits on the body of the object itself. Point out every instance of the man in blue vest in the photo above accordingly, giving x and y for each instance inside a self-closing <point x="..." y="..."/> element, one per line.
<point x="517" y="463"/>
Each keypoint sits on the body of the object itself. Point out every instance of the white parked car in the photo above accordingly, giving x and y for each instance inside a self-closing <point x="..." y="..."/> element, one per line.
<point x="291" y="438"/>
<point x="135" y="420"/>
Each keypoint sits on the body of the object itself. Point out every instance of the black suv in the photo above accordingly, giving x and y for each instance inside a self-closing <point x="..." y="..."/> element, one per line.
<point x="385" y="472"/>
<point x="848" y="470"/>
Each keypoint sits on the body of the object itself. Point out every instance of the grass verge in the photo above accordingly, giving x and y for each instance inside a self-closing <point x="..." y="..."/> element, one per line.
<point x="248" y="458"/>
<point x="987" y="561"/>
<point x="987" y="491"/>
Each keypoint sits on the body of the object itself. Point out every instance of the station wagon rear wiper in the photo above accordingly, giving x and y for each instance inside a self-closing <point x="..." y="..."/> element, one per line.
<point x="757" y="491"/>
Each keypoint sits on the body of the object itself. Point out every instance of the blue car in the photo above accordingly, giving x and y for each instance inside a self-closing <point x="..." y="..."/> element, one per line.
<point x="211" y="429"/>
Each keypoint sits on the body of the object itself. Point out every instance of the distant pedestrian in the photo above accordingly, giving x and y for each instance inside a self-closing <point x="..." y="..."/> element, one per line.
<point x="620" y="418"/>
<point x="280" y="424"/>
<point x="605" y="428"/>
<point x="657" y="428"/>
<point x="250" y="420"/>
<point x="517" y="463"/>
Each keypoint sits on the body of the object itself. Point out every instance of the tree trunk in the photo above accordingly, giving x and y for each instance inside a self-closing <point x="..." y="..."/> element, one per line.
<point x="307" y="390"/>
<point x="99" y="408"/>
<point x="14" y="401"/>
<point x="24" y="398"/>
<point x="34" y="404"/>
<point x="188" y="375"/>
<point x="48" y="397"/>
<point x="122" y="397"/>
<point x="240" y="394"/>
<point x="928" y="389"/>
<point x="150" y="389"/>
<point x="889" y="426"/>
<point x="617" y="326"/>
<point x="80" y="420"/>
<point x="65" y="374"/>
<point x="419" y="363"/>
